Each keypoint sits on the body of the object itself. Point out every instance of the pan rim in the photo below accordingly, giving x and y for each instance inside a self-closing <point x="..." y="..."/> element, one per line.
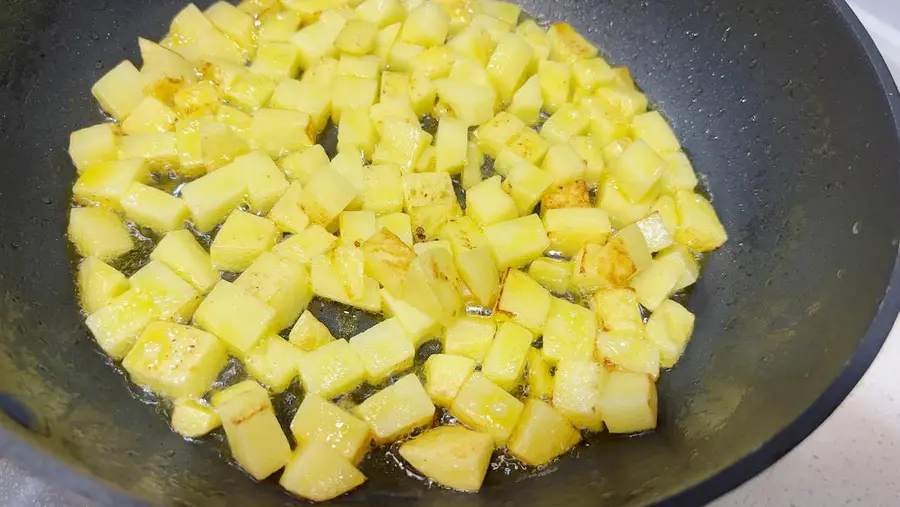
<point x="36" y="461"/>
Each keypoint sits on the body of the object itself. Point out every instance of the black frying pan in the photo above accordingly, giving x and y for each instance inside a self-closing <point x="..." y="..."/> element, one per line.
<point x="785" y="107"/>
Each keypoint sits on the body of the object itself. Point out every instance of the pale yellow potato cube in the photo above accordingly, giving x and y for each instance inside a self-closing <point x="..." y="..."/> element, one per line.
<point x="237" y="25"/>
<point x="508" y="159"/>
<point x="652" y="128"/>
<point x="107" y="183"/>
<point x="306" y="245"/>
<point x="401" y="144"/>
<point x="485" y="406"/>
<point x="504" y="363"/>
<point x="422" y="94"/>
<point x="181" y="253"/>
<point x="326" y="195"/>
<point x="591" y="73"/>
<point x="317" y="420"/>
<point x="517" y="242"/>
<point x="257" y="442"/>
<point x="236" y="317"/>
<point x="394" y="86"/>
<point x="577" y="388"/>
<point x="279" y="26"/>
<point x="175" y="360"/>
<point x="471" y="103"/>
<point x="622" y="102"/>
<point x="567" y="122"/>
<point x="349" y="264"/>
<point x="190" y="419"/>
<point x="655" y="283"/>
<point x="318" y="473"/>
<point x="398" y="223"/>
<point x="303" y="165"/>
<point x="690" y="267"/>
<point x="316" y="41"/>
<point x="530" y="146"/>
<point x="384" y="349"/>
<point x="352" y="92"/>
<point x="670" y="328"/>
<point x="567" y="45"/>
<point x="98" y="284"/>
<point x="655" y="232"/>
<point x="172" y="297"/>
<point x="433" y="285"/>
<point x="219" y="145"/>
<point x="527" y="102"/>
<point x="526" y="185"/>
<point x="305" y="96"/>
<point x="509" y="65"/>
<point x="435" y="62"/>
<point x="628" y="350"/>
<point x="386" y="38"/>
<point x="427" y="25"/>
<point x="93" y="145"/>
<point x="571" y="195"/>
<point x="570" y="332"/>
<point x="444" y="376"/>
<point x="309" y="333"/>
<point x="554" y="274"/>
<point x="621" y="211"/>
<point x="451" y="145"/>
<point x="680" y="173"/>
<point x="463" y="234"/>
<point x="427" y="189"/>
<point x="242" y="238"/>
<point x="479" y="271"/>
<point x="281" y="283"/>
<point x="393" y="110"/>
<point x="273" y="362"/>
<point x="238" y="120"/>
<point x="357" y="37"/>
<point x="429" y="219"/>
<point x="381" y="12"/>
<point x="628" y="402"/>
<point x="542" y="434"/>
<point x="617" y="310"/>
<point x="488" y="204"/>
<point x="287" y="213"/>
<point x="387" y="260"/>
<point x="556" y="84"/>
<point x="276" y="60"/>
<point x="356" y="133"/>
<point x="494" y="135"/>
<point x="98" y="232"/>
<point x="473" y="41"/>
<point x="592" y="155"/>
<point x="154" y="208"/>
<point x="196" y="38"/>
<point x="357" y="226"/>
<point x="504" y="11"/>
<point x="471" y="172"/>
<point x="570" y="228"/>
<point x="537" y="37"/>
<point x="117" y="325"/>
<point x="418" y="325"/>
<point x="539" y="381"/>
<point x="151" y="115"/>
<point x="397" y="409"/>
<point x="193" y="101"/>
<point x="637" y="170"/>
<point x="402" y="55"/>
<point x="213" y="197"/>
<point x="453" y="456"/>
<point x="119" y="91"/>
<point x="332" y="370"/>
<point x="699" y="227"/>
<point x="250" y="91"/>
<point x="279" y="132"/>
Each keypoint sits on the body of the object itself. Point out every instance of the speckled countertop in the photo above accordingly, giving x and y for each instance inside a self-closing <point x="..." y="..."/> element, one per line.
<point x="852" y="459"/>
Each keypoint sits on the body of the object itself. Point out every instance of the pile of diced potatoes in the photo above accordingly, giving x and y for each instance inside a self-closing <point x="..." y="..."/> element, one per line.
<point x="538" y="284"/>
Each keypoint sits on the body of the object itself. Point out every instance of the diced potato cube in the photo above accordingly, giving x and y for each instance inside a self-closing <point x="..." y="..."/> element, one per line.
<point x="250" y="91"/>
<point x="509" y="64"/>
<point x="318" y="473"/>
<point x="628" y="402"/>
<point x="452" y="456"/>
<point x="504" y="11"/>
<point x="523" y="301"/>
<point x="613" y="264"/>
<point x="637" y="170"/>
<point x="382" y="189"/>
<point x="326" y="195"/>
<point x="427" y="189"/>
<point x="451" y="145"/>
<point x="479" y="271"/>
<point x="470" y="336"/>
<point x="317" y="420"/>
<point x="564" y="164"/>
<point x="463" y="234"/>
<point x="655" y="283"/>
<point x="398" y="223"/>
<point x="93" y="145"/>
<point x="690" y="267"/>
<point x="699" y="227"/>
<point x="219" y="146"/>
<point x="433" y="285"/>
<point x="279" y="27"/>
<point x="471" y="172"/>
<point x="488" y="204"/>
<point x="567" y="45"/>
<point x="542" y="434"/>
<point x="401" y="144"/>
<point x="235" y="316"/>
<point x="570" y="228"/>
<point x="473" y="41"/>
<point x="242" y="238"/>
<point x="117" y="325"/>
<point x="621" y="211"/>
<point x="517" y="242"/>
<point x="317" y="40"/>
<point x="154" y="208"/>
<point x="418" y="325"/>
<point x="652" y="128"/>
<point x="276" y="60"/>
<point x="530" y="146"/>
<point x="655" y="232"/>
<point x="182" y="254"/>
<point x="554" y="274"/>
<point x="119" y="91"/>
<point x="286" y="213"/>
<point x="569" y="333"/>
<point x="279" y="132"/>
<point x="591" y="153"/>
<point x="427" y="25"/>
<point x="175" y="360"/>
<point x="402" y="55"/>
<point x="332" y="283"/>
<point x="196" y="38"/>
<point x="525" y="184"/>
<point x="352" y="92"/>
<point x="680" y="173"/>
<point x="349" y="263"/>
<point x="628" y="350"/>
<point x="306" y="97"/>
<point x="494" y="135"/>
<point x="190" y="419"/>
<point x="387" y="260"/>
<point x="538" y="377"/>
<point x="669" y="329"/>
<point x="391" y="111"/>
<point x="618" y="310"/>
<point x="577" y="389"/>
<point x="527" y="102"/>
<point x="444" y="376"/>
<point x="172" y="297"/>
<point x="98" y="284"/>
<point x="309" y="333"/>
<point x="623" y="102"/>
<point x="151" y="115"/>
<point x="303" y="165"/>
<point x="591" y="73"/>
<point x="257" y="442"/>
<point x="98" y="232"/>
<point x="471" y="103"/>
<point x="571" y="195"/>
<point x="357" y="226"/>
<point x="237" y="25"/>
<point x="556" y="84"/>
<point x="381" y="12"/>
<point x="332" y="370"/>
<point x="397" y="409"/>
<point x="384" y="349"/>
<point x="305" y="246"/>
<point x="107" y="183"/>
<point x="273" y="361"/>
<point x="567" y="122"/>
<point x="281" y="283"/>
<point x="158" y="148"/>
<point x="356" y="134"/>
<point x="357" y="37"/>
<point x="485" y="406"/>
<point x="537" y="37"/>
<point x="505" y="361"/>
<point x="194" y="101"/>
<point x="212" y="197"/>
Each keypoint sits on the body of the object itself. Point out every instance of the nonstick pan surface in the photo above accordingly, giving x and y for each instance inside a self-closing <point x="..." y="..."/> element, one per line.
<point x="784" y="107"/>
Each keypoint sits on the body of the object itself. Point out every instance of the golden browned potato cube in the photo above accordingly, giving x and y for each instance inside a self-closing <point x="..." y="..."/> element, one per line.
<point x="567" y="45"/>
<point x="397" y="409"/>
<point x="523" y="301"/>
<point x="487" y="407"/>
<point x="387" y="260"/>
<point x="434" y="286"/>
<point x="570" y="195"/>
<point x="542" y="434"/>
<point x="617" y="310"/>
<point x="452" y="456"/>
<point x="175" y="360"/>
<point x="317" y="420"/>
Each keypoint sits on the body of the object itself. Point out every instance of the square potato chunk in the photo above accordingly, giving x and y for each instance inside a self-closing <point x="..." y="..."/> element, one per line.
<point x="487" y="407"/>
<point x="317" y="420"/>
<point x="542" y="434"/>
<point x="332" y="370"/>
<point x="397" y="409"/>
<point x="235" y="316"/>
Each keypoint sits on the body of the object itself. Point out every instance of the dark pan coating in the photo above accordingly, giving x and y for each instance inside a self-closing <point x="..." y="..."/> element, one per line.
<point x="783" y="106"/>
